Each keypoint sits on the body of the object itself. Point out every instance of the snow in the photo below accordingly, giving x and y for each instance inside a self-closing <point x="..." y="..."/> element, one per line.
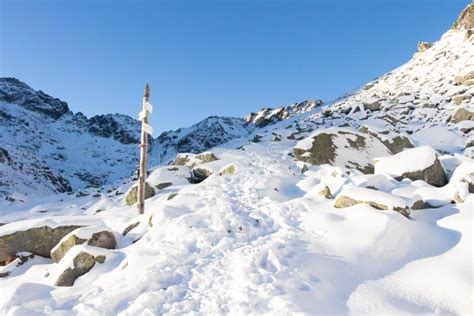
<point x="409" y="160"/>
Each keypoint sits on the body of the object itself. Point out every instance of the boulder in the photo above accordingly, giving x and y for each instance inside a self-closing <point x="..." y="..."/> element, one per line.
<point x="199" y="174"/>
<point x="424" y="46"/>
<point x="192" y="160"/>
<point x="38" y="241"/>
<point x="131" y="197"/>
<point x="462" y="114"/>
<point x="395" y="143"/>
<point x="92" y="236"/>
<point x="353" y="195"/>
<point x="341" y="148"/>
<point x="229" y="169"/>
<point x="419" y="163"/>
<point x="82" y="263"/>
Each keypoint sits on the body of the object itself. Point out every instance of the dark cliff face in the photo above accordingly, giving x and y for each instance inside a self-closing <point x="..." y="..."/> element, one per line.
<point x="466" y="19"/>
<point x="15" y="91"/>
<point x="126" y="131"/>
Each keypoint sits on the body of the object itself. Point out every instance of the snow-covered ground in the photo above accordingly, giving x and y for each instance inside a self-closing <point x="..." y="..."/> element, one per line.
<point x="314" y="213"/>
<point x="263" y="240"/>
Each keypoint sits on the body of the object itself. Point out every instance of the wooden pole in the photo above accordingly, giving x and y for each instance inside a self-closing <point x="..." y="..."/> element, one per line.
<point x="143" y="156"/>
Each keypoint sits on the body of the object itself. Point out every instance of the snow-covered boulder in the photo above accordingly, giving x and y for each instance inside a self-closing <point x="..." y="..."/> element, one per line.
<point x="342" y="148"/>
<point x="93" y="236"/>
<point x="192" y="160"/>
<point x="462" y="114"/>
<point x="419" y="163"/>
<point x="131" y="197"/>
<point x="78" y="261"/>
<point x="352" y="195"/>
<point x="396" y="142"/>
<point x="38" y="240"/>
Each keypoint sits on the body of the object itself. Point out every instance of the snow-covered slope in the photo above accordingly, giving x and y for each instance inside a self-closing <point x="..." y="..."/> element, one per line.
<point x="289" y="216"/>
<point x="46" y="148"/>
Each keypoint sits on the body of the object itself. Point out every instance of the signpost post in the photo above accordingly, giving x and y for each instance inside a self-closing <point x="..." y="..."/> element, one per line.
<point x="146" y="129"/>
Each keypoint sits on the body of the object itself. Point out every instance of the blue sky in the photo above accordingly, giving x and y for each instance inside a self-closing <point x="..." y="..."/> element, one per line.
<point x="207" y="58"/>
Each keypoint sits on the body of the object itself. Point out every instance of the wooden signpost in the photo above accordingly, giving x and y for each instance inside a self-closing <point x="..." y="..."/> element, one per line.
<point x="146" y="130"/>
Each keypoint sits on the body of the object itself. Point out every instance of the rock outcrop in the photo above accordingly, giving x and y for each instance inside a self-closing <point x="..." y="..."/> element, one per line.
<point x="341" y="148"/>
<point x="92" y="236"/>
<point x="38" y="241"/>
<point x="465" y="20"/>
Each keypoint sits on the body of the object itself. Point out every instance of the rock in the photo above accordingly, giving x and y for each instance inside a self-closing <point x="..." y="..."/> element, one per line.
<point x="395" y="144"/>
<point x="373" y="106"/>
<point x="469" y="35"/>
<point x="462" y="114"/>
<point x="199" y="174"/>
<point x="130" y="228"/>
<point x="398" y="144"/>
<point x="326" y="192"/>
<point x="93" y="236"/>
<point x="341" y="148"/>
<point x="82" y="263"/>
<point x="38" y="241"/>
<point x="191" y="160"/>
<point x="131" y="197"/>
<point x="419" y="163"/>
<point x="172" y="196"/>
<point x="424" y="46"/>
<point x="163" y="185"/>
<point x="458" y="99"/>
<point x="267" y="116"/>
<point x="353" y="195"/>
<point x="230" y="169"/>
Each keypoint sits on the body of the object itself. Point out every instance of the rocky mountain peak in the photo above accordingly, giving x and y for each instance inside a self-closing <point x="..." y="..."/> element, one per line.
<point x="466" y="19"/>
<point x="15" y="91"/>
<point x="268" y="116"/>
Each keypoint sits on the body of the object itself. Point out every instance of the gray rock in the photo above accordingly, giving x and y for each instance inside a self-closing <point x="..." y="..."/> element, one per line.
<point x="131" y="197"/>
<point x="82" y="264"/>
<point x="103" y="239"/>
<point x="462" y="115"/>
<point x="163" y="185"/>
<point x="345" y="201"/>
<point x="362" y="148"/>
<point x="199" y="174"/>
<point x="38" y="241"/>
<point x="433" y="175"/>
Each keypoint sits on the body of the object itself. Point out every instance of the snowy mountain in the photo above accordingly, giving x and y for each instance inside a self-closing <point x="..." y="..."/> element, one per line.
<point x="362" y="206"/>
<point x="46" y="148"/>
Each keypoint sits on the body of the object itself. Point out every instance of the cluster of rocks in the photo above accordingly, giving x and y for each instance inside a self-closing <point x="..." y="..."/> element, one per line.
<point x="75" y="244"/>
<point x="267" y="116"/>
